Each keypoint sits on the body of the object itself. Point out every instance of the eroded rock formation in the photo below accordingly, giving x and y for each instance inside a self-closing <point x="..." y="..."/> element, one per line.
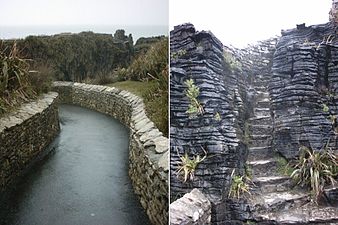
<point x="283" y="96"/>
<point x="304" y="89"/>
<point x="199" y="56"/>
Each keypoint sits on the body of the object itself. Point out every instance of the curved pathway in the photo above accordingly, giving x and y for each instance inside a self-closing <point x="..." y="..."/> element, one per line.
<point x="83" y="181"/>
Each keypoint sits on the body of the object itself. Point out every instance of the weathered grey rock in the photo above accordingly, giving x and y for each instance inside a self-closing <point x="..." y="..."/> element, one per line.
<point x="200" y="56"/>
<point x="274" y="104"/>
<point x="304" y="77"/>
<point x="192" y="209"/>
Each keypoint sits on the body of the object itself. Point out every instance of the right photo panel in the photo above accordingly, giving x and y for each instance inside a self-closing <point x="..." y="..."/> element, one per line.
<point x="253" y="112"/>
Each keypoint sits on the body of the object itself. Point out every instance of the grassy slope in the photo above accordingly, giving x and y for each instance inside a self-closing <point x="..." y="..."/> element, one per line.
<point x="154" y="107"/>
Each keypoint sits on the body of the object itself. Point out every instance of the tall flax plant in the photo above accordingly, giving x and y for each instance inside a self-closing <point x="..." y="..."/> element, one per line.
<point x="157" y="95"/>
<point x="315" y="169"/>
<point x="14" y="78"/>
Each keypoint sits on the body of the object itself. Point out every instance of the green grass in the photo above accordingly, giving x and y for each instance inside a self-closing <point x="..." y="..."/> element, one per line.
<point x="136" y="87"/>
<point x="156" y="105"/>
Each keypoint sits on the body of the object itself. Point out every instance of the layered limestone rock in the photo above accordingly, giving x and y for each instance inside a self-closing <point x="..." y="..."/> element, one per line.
<point x="287" y="90"/>
<point x="199" y="56"/>
<point x="304" y="89"/>
<point x="334" y="12"/>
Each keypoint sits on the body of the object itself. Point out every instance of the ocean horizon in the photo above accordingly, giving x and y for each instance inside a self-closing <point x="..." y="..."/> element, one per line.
<point x="137" y="31"/>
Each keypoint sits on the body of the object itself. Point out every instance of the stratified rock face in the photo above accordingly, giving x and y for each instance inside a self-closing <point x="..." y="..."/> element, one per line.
<point x="199" y="56"/>
<point x="334" y="12"/>
<point x="304" y="89"/>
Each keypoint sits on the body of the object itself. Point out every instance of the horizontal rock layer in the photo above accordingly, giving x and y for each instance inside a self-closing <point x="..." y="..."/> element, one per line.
<point x="199" y="56"/>
<point x="304" y="89"/>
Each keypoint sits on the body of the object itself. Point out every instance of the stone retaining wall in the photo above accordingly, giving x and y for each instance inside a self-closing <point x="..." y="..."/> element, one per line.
<point x="24" y="134"/>
<point x="148" y="149"/>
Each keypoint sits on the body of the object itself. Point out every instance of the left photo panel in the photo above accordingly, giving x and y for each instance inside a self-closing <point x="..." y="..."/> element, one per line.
<point x="84" y="112"/>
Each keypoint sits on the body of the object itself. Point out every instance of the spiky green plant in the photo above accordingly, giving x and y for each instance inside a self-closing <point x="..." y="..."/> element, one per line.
<point x="187" y="165"/>
<point x="192" y="92"/>
<point x="14" y="78"/>
<point x="315" y="169"/>
<point x="239" y="186"/>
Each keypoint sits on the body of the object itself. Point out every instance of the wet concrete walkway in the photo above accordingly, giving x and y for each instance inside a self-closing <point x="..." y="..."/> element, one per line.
<point x="84" y="181"/>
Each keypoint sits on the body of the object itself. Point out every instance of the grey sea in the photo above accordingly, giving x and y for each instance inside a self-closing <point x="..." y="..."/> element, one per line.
<point x="16" y="32"/>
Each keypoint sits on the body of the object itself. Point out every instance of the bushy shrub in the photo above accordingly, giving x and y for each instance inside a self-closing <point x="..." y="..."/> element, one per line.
<point x="156" y="100"/>
<point x="75" y="57"/>
<point x="17" y="82"/>
<point x="150" y="65"/>
<point x="41" y="78"/>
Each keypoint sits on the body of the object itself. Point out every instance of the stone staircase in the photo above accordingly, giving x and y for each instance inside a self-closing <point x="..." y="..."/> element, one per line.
<point x="274" y="200"/>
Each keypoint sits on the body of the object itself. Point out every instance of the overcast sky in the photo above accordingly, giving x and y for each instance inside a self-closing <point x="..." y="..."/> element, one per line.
<point x="89" y="12"/>
<point x="239" y="22"/>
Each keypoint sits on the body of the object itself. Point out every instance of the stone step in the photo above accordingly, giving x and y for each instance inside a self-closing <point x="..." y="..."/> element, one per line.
<point x="278" y="201"/>
<point x="260" y="129"/>
<point x="264" y="103"/>
<point x="262" y="111"/>
<point x="262" y="94"/>
<point x="261" y="88"/>
<point x="306" y="215"/>
<point x="260" y="140"/>
<point x="331" y="194"/>
<point x="268" y="184"/>
<point x="260" y="83"/>
<point x="266" y="167"/>
<point x="265" y="77"/>
<point x="260" y="120"/>
<point x="260" y="153"/>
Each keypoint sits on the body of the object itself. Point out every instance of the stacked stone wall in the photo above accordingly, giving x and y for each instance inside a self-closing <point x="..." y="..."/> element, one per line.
<point x="148" y="149"/>
<point x="24" y="136"/>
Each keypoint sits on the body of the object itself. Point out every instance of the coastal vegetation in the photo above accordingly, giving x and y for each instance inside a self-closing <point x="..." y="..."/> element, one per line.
<point x="18" y="81"/>
<point x="91" y="58"/>
<point x="148" y="77"/>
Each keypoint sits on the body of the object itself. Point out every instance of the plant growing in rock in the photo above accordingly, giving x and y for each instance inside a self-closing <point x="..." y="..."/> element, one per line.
<point x="178" y="54"/>
<point x="325" y="108"/>
<point x="283" y="167"/>
<point x="218" y="117"/>
<point x="195" y="108"/>
<point x="315" y="169"/>
<point x="248" y="171"/>
<point x="233" y="63"/>
<point x="239" y="186"/>
<point x="187" y="165"/>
